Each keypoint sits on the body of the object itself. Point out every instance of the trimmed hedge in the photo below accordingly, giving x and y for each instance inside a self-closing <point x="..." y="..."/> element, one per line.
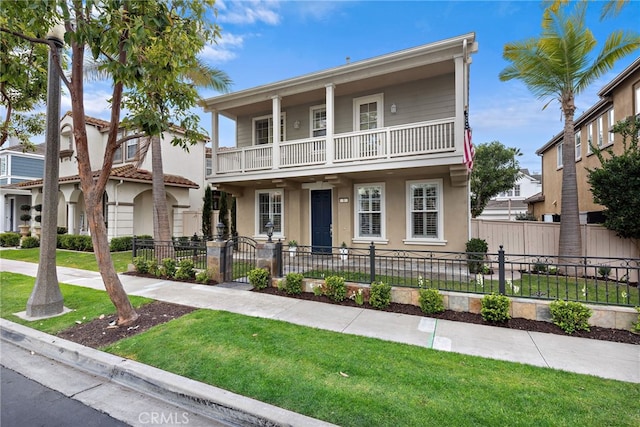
<point x="75" y="242"/>
<point x="9" y="239"/>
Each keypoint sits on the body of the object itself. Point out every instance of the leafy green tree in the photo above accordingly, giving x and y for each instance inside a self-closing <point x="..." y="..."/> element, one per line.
<point x="558" y="65"/>
<point x="495" y="170"/>
<point x="23" y="86"/>
<point x="143" y="46"/>
<point x="616" y="183"/>
<point x="207" y="210"/>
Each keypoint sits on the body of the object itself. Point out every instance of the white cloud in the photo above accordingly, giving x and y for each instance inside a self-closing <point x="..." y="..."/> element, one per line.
<point x="249" y="12"/>
<point x="224" y="49"/>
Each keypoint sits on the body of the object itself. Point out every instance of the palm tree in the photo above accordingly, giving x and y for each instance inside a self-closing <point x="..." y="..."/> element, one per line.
<point x="558" y="65"/>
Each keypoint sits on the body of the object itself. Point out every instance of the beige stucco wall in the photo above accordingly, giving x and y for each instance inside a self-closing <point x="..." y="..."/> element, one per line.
<point x="297" y="214"/>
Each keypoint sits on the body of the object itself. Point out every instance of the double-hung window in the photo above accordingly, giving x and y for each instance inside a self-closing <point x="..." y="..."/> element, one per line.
<point x="424" y="211"/>
<point x="578" y="145"/>
<point x="117" y="156"/>
<point x="589" y="138"/>
<point x="600" y="131"/>
<point x="269" y="207"/>
<point x="369" y="211"/>
<point x="263" y="130"/>
<point x="3" y="166"/>
<point x="318" y="121"/>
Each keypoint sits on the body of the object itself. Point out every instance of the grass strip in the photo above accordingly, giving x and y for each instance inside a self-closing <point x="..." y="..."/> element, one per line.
<point x="86" y="304"/>
<point x="72" y="259"/>
<point x="358" y="381"/>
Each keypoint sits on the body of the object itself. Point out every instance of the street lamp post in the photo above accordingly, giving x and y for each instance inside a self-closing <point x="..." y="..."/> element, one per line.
<point x="46" y="299"/>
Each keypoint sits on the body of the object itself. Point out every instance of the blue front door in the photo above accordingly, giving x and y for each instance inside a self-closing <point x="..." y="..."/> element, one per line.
<point x="321" y="220"/>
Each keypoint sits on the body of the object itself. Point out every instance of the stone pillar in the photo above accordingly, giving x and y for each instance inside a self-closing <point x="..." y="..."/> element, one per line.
<point x="71" y="217"/>
<point x="220" y="261"/>
<point x="266" y="257"/>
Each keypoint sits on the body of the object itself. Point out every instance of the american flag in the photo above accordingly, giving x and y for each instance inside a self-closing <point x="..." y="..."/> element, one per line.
<point x="469" y="152"/>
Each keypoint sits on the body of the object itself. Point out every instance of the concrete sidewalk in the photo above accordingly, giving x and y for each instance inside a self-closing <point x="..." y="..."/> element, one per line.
<point x="585" y="356"/>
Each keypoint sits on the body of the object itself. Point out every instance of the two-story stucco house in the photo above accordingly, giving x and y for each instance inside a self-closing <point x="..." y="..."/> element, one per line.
<point x="17" y="165"/>
<point x="619" y="99"/>
<point x="128" y="203"/>
<point x="370" y="151"/>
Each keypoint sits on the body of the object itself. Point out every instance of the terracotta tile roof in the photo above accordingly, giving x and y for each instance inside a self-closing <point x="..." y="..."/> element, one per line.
<point x="126" y="173"/>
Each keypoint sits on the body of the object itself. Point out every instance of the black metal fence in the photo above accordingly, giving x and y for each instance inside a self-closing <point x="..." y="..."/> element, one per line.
<point x="177" y="249"/>
<point x="585" y="279"/>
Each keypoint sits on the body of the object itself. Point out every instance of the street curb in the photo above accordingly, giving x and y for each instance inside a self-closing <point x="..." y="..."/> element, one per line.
<point x="206" y="400"/>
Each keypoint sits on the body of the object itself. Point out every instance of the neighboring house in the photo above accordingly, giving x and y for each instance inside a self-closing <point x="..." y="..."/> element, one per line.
<point x="370" y="151"/>
<point x="508" y="205"/>
<point x="17" y="166"/>
<point x="128" y="203"/>
<point x="619" y="99"/>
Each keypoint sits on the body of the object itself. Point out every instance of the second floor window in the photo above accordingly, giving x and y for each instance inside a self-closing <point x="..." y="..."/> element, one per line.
<point x="263" y="130"/>
<point x="578" y="145"/>
<point x="559" y="160"/>
<point x="132" y="149"/>
<point x="589" y="138"/>
<point x="611" y="124"/>
<point x="600" y="131"/>
<point x="3" y="166"/>
<point x="318" y="121"/>
<point x="209" y="166"/>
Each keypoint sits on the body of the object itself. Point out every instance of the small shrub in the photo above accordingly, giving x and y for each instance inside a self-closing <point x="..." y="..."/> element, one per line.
<point x="168" y="268"/>
<point x="476" y="253"/>
<point x="30" y="242"/>
<point x="380" y="295"/>
<point x="152" y="266"/>
<point x="38" y="218"/>
<point x="25" y="218"/>
<point x="358" y="296"/>
<point x="539" y="267"/>
<point x="61" y="230"/>
<point x="495" y="308"/>
<point x="318" y="289"/>
<point x="259" y="278"/>
<point x="335" y="288"/>
<point x="636" y="325"/>
<point x="203" y="277"/>
<point x="570" y="316"/>
<point x="9" y="239"/>
<point x="186" y="270"/>
<point x="120" y="244"/>
<point x="431" y="301"/>
<point x="75" y="242"/>
<point x="140" y="264"/>
<point x="604" y="271"/>
<point x="293" y="283"/>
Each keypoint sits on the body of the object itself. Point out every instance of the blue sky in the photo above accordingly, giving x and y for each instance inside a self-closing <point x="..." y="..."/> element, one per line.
<point x="267" y="41"/>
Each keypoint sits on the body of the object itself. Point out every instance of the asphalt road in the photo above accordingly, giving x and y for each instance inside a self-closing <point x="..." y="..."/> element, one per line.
<point x="28" y="403"/>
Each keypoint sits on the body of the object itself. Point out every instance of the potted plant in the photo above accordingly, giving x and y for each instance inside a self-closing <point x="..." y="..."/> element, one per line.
<point x="25" y="217"/>
<point x="38" y="219"/>
<point x="293" y="248"/>
<point x="344" y="252"/>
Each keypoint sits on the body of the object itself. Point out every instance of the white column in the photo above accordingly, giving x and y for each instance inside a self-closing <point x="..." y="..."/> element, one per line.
<point x="460" y="88"/>
<point x="276" y="132"/>
<point x="330" y="152"/>
<point x="215" y="141"/>
<point x="71" y="217"/>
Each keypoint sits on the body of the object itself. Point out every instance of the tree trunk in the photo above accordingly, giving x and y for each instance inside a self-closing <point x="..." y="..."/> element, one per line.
<point x="161" y="226"/>
<point x="570" y="244"/>
<point x="126" y="313"/>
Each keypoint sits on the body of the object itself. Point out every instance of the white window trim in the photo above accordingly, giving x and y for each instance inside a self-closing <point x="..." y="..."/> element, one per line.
<point x="311" y="119"/>
<point x="383" y="229"/>
<point x="409" y="240"/>
<point x="559" y="150"/>
<point x="283" y="136"/>
<point x="378" y="98"/>
<point x="262" y="236"/>
<point x="589" y="137"/>
<point x="600" y="126"/>
<point x="612" y="122"/>
<point x="578" y="139"/>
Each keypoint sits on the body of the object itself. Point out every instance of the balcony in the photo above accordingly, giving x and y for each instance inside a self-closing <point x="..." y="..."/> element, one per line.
<point x="372" y="146"/>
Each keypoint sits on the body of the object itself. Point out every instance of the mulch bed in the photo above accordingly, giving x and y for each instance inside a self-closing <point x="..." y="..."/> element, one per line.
<point x="100" y="332"/>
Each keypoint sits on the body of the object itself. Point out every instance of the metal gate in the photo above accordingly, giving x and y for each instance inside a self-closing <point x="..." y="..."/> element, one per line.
<point x="239" y="259"/>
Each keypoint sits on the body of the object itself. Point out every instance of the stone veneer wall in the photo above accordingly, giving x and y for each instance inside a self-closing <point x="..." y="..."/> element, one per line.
<point x="605" y="316"/>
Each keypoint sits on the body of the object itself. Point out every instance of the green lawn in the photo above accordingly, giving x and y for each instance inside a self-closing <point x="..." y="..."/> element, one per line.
<point x="73" y="259"/>
<point x="87" y="304"/>
<point x="346" y="379"/>
<point x="384" y="383"/>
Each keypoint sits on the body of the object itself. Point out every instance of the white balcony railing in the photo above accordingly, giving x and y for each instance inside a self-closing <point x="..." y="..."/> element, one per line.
<point x="377" y="144"/>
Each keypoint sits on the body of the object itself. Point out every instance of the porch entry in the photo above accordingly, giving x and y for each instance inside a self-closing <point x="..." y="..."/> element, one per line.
<point x="321" y="221"/>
